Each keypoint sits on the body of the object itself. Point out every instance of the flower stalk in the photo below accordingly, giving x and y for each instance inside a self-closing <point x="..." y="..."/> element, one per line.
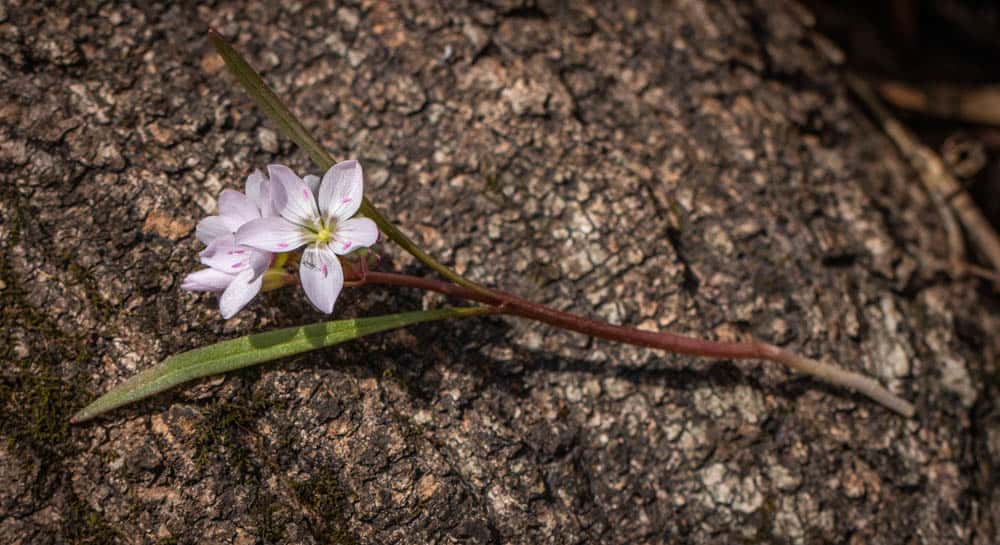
<point x="318" y="227"/>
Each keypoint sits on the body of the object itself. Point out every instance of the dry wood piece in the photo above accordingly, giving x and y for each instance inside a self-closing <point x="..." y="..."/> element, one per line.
<point x="972" y="104"/>
<point x="964" y="155"/>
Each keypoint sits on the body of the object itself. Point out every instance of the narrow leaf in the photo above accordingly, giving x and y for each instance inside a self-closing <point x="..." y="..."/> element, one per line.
<point x="269" y="102"/>
<point x="290" y="125"/>
<point x="254" y="349"/>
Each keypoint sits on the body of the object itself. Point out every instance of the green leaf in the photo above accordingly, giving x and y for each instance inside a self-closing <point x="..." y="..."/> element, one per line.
<point x="254" y="349"/>
<point x="290" y="125"/>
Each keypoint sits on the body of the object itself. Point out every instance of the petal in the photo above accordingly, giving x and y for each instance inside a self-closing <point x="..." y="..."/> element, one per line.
<point x="259" y="192"/>
<point x="233" y="204"/>
<point x="273" y="234"/>
<point x="207" y="280"/>
<point x="353" y="234"/>
<point x="214" y="227"/>
<point x="340" y="193"/>
<point x="322" y="277"/>
<point x="224" y="255"/>
<point x="298" y="204"/>
<point x="259" y="260"/>
<point x="253" y="186"/>
<point x="312" y="181"/>
<point x="241" y="290"/>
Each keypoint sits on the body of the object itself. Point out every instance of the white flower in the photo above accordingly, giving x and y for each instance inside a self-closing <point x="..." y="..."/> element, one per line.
<point x="238" y="272"/>
<point x="322" y="223"/>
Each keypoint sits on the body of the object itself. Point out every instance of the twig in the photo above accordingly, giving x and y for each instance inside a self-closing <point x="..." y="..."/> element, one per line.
<point x="968" y="268"/>
<point x="973" y="104"/>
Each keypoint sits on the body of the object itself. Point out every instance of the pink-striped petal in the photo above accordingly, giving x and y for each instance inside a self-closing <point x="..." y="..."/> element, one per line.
<point x="322" y="277"/>
<point x="207" y="280"/>
<point x="233" y="204"/>
<point x="273" y="234"/>
<point x="241" y="290"/>
<point x="353" y="234"/>
<point x="298" y="204"/>
<point x="223" y="254"/>
<point x="341" y="191"/>
<point x="213" y="227"/>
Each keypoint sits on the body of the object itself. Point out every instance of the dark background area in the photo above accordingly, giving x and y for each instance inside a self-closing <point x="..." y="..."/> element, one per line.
<point x="927" y="43"/>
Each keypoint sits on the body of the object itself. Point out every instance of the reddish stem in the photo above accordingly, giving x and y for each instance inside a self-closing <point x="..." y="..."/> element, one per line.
<point x="516" y="306"/>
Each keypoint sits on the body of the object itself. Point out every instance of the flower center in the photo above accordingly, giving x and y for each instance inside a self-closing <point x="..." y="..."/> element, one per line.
<point x="327" y="228"/>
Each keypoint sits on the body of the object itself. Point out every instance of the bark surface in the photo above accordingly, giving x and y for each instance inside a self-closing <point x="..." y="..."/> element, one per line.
<point x="691" y="165"/>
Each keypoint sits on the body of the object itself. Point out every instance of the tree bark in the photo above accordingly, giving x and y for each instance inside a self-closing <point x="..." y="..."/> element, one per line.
<point x="696" y="166"/>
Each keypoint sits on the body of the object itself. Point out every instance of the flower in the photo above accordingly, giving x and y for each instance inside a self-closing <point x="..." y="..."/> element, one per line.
<point x="237" y="272"/>
<point x="320" y="220"/>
